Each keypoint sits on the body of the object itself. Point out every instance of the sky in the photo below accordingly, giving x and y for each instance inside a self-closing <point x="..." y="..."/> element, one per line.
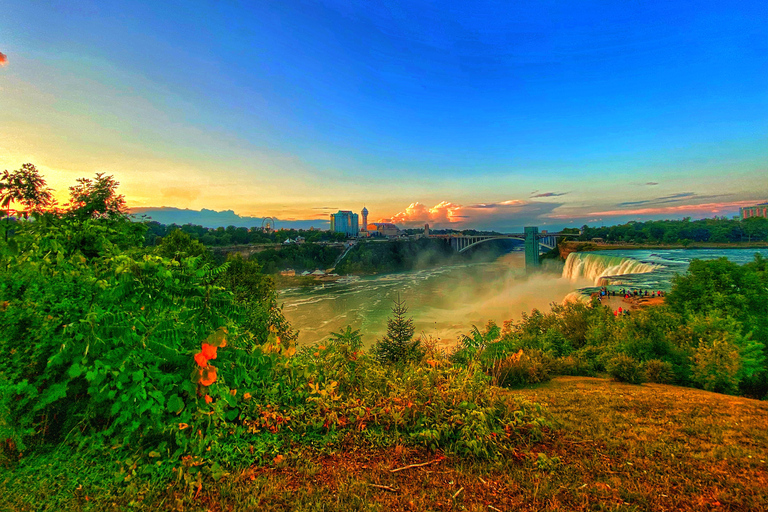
<point x="486" y="115"/>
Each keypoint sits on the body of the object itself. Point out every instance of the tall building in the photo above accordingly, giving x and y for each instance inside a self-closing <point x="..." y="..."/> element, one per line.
<point x="364" y="227"/>
<point x="344" y="222"/>
<point x="759" y="210"/>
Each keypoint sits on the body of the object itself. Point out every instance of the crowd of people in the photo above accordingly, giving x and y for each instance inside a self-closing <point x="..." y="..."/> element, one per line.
<point x="629" y="295"/>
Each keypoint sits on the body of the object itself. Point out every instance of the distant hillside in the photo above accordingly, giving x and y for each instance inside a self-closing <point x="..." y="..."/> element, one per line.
<point x="215" y="219"/>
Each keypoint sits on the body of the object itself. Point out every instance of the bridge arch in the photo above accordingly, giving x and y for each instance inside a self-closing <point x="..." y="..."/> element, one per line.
<point x="461" y="244"/>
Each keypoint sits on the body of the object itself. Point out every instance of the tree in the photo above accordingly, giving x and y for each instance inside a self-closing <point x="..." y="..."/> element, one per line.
<point x="398" y="346"/>
<point x="97" y="198"/>
<point x="24" y="186"/>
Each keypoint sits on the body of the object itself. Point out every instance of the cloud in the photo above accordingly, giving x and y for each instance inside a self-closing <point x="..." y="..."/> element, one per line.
<point x="443" y="213"/>
<point x="651" y="183"/>
<point x="184" y="194"/>
<point x="661" y="200"/>
<point x="548" y="194"/>
<point x="703" y="210"/>
<point x="510" y="215"/>
<point x="3" y="59"/>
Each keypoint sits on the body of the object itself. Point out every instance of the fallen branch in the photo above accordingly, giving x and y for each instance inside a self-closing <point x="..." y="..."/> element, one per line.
<point x="457" y="493"/>
<point x="385" y="487"/>
<point x="415" y="465"/>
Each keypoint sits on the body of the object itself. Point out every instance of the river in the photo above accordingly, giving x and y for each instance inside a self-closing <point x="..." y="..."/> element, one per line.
<point x="445" y="302"/>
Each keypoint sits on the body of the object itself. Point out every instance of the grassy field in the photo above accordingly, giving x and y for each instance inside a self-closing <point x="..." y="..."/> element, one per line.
<point x="619" y="447"/>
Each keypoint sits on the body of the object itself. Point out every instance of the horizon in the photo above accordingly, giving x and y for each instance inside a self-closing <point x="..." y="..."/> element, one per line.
<point x="486" y="117"/>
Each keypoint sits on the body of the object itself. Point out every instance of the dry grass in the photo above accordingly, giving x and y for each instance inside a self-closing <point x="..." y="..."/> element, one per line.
<point x="620" y="447"/>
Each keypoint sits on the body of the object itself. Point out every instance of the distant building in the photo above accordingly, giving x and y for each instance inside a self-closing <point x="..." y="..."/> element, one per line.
<point x="383" y="229"/>
<point x="344" y="222"/>
<point x="364" y="228"/>
<point x="426" y="229"/>
<point x="759" y="210"/>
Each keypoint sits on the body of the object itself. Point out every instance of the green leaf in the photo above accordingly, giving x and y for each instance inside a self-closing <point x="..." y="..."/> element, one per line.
<point x="75" y="371"/>
<point x="175" y="404"/>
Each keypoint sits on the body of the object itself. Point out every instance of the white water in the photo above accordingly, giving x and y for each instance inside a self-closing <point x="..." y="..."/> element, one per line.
<point x="595" y="267"/>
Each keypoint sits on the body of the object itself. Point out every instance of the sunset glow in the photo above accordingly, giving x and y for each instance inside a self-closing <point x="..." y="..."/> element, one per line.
<point x="491" y="117"/>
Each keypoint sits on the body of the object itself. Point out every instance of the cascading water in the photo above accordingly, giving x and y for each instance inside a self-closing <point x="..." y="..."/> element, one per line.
<point x="595" y="267"/>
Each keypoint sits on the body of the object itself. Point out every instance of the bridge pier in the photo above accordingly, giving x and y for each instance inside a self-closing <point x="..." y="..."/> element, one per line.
<point x="533" y="242"/>
<point x="531" y="247"/>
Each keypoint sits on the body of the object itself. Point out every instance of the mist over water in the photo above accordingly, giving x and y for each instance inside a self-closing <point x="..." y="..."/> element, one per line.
<point x="444" y="302"/>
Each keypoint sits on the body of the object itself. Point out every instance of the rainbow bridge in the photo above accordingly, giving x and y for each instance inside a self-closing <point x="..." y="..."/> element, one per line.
<point x="534" y="241"/>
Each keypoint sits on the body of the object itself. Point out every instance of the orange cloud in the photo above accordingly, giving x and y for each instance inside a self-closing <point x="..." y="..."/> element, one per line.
<point x="417" y="213"/>
<point x="705" y="208"/>
<point x="3" y="59"/>
<point x="509" y="214"/>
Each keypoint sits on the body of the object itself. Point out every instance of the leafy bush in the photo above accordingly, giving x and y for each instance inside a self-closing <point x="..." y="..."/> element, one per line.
<point x="716" y="366"/>
<point x="624" y="368"/>
<point x="660" y="372"/>
<point x="432" y="404"/>
<point x="522" y="367"/>
<point x="573" y="365"/>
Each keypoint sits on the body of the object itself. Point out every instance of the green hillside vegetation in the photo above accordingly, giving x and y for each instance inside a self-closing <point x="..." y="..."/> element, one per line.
<point x="231" y="235"/>
<point x="717" y="231"/>
<point x="138" y="377"/>
<point x="300" y="257"/>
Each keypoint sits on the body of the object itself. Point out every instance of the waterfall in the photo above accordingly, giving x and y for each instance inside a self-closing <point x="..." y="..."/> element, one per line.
<point x="597" y="266"/>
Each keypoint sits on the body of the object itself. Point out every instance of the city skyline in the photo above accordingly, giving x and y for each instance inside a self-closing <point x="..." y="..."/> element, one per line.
<point x="486" y="116"/>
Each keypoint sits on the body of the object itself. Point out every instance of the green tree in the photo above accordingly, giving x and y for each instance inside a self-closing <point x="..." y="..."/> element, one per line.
<point x="24" y="186"/>
<point x="96" y="198"/>
<point x="177" y="245"/>
<point x="398" y="345"/>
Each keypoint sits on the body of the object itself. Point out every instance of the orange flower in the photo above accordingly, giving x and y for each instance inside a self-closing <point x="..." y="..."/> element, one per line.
<point x="209" y="351"/>
<point x="247" y="396"/>
<point x="233" y="392"/>
<point x="182" y="426"/>
<point x="208" y="375"/>
<point x="201" y="360"/>
<point x="208" y="399"/>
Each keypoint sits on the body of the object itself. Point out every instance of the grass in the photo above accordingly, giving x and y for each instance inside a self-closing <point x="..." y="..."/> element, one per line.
<point x="620" y="447"/>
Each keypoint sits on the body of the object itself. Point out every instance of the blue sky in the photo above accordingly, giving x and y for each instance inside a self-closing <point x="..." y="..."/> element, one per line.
<point x="479" y="114"/>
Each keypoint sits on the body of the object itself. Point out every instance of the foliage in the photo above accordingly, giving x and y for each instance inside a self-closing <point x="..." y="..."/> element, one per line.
<point x="300" y="257"/>
<point x="717" y="366"/>
<point x="96" y="198"/>
<point x="686" y="231"/>
<point x="659" y="372"/>
<point x="624" y="368"/>
<point x="396" y="256"/>
<point x="232" y="235"/>
<point x="177" y="245"/>
<point x="522" y="367"/>
<point x="24" y="186"/>
<point x="472" y="345"/>
<point x="398" y="345"/>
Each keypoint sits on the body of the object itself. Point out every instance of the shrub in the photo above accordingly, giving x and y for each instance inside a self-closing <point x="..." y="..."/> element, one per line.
<point x="716" y="366"/>
<point x="660" y="372"/>
<point x="573" y="365"/>
<point x="625" y="369"/>
<point x="521" y="368"/>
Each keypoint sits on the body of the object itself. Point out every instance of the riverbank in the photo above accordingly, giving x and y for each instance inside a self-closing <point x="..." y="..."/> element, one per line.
<point x="288" y="282"/>
<point x="631" y="303"/>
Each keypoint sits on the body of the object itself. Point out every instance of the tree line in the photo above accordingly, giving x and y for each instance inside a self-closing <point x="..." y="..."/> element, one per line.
<point x="231" y="235"/>
<point x="685" y="231"/>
